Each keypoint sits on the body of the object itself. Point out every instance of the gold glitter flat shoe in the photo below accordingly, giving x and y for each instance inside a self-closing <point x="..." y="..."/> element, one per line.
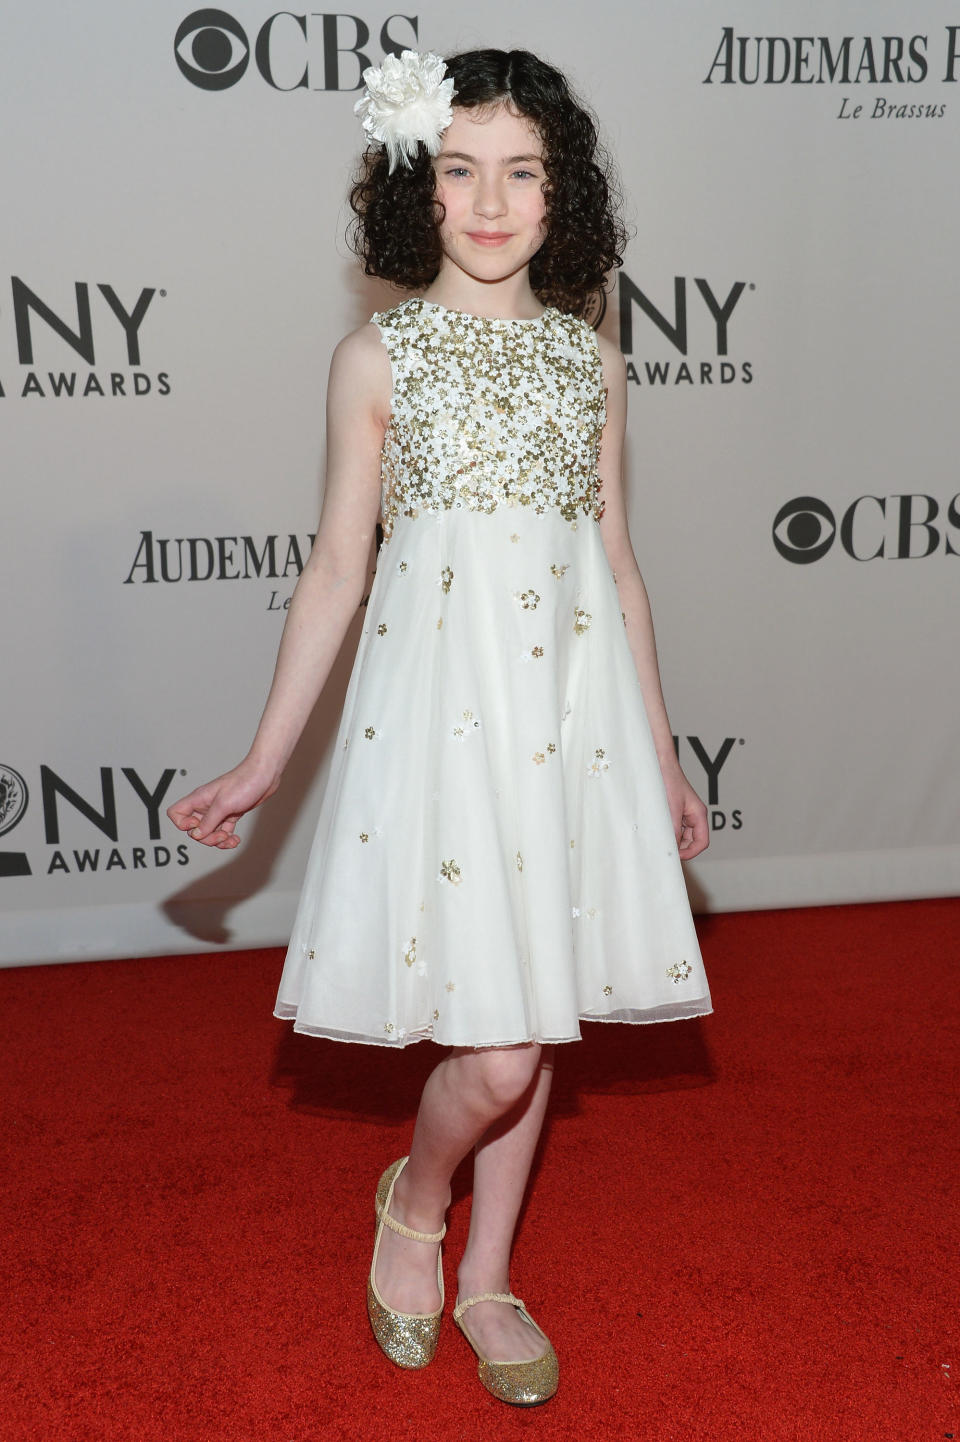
<point x="523" y="1384"/>
<point x="407" y="1338"/>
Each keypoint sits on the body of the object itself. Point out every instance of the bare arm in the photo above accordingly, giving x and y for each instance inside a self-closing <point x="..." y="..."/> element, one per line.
<point x="687" y="810"/>
<point x="326" y="596"/>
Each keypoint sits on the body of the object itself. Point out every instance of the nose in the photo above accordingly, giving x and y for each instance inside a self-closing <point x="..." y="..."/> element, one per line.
<point x="489" y="200"/>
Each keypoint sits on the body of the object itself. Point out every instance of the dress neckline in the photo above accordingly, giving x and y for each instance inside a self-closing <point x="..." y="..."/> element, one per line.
<point x="487" y="319"/>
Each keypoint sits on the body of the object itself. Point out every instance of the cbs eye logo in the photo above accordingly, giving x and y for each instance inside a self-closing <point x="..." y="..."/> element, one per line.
<point x="804" y="530"/>
<point x="211" y="49"/>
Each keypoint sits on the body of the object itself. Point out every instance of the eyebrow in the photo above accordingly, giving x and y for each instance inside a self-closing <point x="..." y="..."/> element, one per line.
<point x="509" y="160"/>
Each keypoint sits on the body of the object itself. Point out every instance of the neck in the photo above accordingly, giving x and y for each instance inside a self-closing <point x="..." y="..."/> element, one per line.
<point x="509" y="299"/>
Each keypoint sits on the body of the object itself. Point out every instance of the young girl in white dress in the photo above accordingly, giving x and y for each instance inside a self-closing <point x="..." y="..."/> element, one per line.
<point x="498" y="852"/>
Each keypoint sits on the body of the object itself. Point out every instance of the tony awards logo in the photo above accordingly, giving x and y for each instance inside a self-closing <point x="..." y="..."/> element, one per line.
<point x="13" y="803"/>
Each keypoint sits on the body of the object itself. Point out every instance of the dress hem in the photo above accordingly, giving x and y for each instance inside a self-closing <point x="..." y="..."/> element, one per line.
<point x="630" y="1018"/>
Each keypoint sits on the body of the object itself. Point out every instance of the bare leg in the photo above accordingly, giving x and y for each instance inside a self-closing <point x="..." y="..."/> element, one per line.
<point x="464" y="1096"/>
<point x="500" y="1174"/>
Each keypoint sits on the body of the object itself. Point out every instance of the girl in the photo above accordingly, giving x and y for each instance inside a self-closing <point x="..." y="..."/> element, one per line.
<point x="498" y="853"/>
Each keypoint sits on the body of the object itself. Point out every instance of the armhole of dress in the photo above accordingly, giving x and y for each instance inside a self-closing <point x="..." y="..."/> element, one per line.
<point x="594" y="344"/>
<point x="387" y="338"/>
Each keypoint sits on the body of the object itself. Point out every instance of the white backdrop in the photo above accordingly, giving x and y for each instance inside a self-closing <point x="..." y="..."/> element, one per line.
<point x="203" y="229"/>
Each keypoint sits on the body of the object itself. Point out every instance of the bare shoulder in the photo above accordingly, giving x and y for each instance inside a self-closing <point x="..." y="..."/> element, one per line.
<point x="361" y="349"/>
<point x="360" y="368"/>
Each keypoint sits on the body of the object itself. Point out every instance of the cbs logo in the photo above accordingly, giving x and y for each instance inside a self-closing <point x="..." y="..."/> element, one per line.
<point x="901" y="528"/>
<point x="290" y="52"/>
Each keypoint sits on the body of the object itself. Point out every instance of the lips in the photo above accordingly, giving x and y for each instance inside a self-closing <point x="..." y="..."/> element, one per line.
<point x="489" y="237"/>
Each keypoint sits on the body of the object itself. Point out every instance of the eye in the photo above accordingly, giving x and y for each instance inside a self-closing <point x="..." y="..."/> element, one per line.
<point x="211" y="49"/>
<point x="803" y="530"/>
<point x="457" y="171"/>
<point x="523" y="175"/>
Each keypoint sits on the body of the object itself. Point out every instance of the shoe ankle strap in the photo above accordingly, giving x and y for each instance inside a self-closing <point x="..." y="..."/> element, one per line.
<point x="461" y="1307"/>
<point x="398" y="1227"/>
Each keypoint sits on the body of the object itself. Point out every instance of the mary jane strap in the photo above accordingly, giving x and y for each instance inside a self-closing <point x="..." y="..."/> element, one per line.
<point x="384" y="1216"/>
<point x="461" y="1307"/>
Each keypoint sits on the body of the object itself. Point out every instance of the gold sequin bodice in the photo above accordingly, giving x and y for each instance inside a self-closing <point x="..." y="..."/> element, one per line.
<point x="487" y="413"/>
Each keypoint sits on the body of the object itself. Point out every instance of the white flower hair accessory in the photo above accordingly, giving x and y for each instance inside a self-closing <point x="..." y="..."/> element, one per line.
<point x="407" y="101"/>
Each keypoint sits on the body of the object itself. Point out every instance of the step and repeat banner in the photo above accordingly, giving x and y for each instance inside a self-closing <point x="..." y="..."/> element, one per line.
<point x="173" y="277"/>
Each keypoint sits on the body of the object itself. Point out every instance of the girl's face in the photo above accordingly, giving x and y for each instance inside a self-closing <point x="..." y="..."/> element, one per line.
<point x="490" y="178"/>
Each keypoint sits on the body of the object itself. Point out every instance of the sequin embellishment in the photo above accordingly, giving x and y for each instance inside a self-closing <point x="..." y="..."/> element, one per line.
<point x="679" y="971"/>
<point x="501" y="450"/>
<point x="450" y="871"/>
<point x="465" y="726"/>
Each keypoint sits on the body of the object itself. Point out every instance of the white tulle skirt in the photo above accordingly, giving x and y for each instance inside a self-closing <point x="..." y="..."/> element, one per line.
<point x="494" y="859"/>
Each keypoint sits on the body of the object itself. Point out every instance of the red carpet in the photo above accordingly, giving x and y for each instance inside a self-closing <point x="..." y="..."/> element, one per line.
<point x="744" y="1227"/>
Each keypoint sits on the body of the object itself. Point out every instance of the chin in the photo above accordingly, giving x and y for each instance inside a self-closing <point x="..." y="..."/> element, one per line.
<point x="494" y="265"/>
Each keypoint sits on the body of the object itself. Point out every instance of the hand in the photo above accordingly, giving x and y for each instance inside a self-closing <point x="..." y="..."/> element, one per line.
<point x="688" y="814"/>
<point x="211" y="812"/>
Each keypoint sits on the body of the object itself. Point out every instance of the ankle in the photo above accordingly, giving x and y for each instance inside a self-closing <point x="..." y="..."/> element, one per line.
<point x="474" y="1282"/>
<point x="415" y="1210"/>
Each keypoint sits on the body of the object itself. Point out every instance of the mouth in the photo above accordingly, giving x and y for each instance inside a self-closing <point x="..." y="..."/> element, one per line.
<point x="490" y="238"/>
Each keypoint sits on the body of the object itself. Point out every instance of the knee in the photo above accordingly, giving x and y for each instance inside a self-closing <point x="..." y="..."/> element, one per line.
<point x="504" y="1074"/>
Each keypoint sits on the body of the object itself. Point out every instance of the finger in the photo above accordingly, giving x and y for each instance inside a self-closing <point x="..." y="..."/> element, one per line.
<point x="695" y="836"/>
<point x="185" y="817"/>
<point x="215" y="818"/>
<point x="214" y="835"/>
<point x="192" y="807"/>
<point x="224" y="840"/>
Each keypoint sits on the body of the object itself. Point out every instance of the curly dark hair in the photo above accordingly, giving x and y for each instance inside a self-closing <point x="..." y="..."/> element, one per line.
<point x="396" y="232"/>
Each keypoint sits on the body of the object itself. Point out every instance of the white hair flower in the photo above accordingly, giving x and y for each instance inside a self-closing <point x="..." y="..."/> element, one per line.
<point x="406" y="101"/>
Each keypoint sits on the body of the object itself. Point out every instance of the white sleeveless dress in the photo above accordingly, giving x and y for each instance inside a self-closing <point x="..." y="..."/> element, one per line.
<point x="494" y="858"/>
